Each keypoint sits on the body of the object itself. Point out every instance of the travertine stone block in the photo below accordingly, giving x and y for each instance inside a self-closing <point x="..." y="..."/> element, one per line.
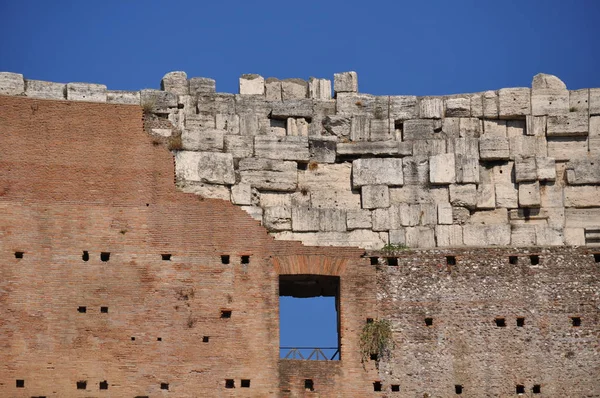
<point x="241" y="194"/>
<point x="489" y="217"/>
<point x="458" y="107"/>
<point x="254" y="211"/>
<point x="449" y="235"/>
<point x="579" y="100"/>
<point x="368" y="240"/>
<point x="227" y="103"/>
<point x="442" y="169"/>
<point x="467" y="169"/>
<point x="444" y="213"/>
<point x="228" y="122"/>
<point x="209" y="191"/>
<point x="552" y="195"/>
<point x="202" y="85"/>
<point x="330" y="186"/>
<point x="556" y="217"/>
<point x="239" y="146"/>
<point x="359" y="128"/>
<point x="427" y="214"/>
<point x="515" y="128"/>
<point x="486" y="196"/>
<point x="494" y="128"/>
<point x="529" y="216"/>
<point x="419" y="129"/>
<point x="48" y="90"/>
<point x="382" y="221"/>
<point x="548" y="236"/>
<point x="502" y="173"/>
<point x="322" y="149"/>
<point x="319" y="88"/>
<point x="292" y="108"/>
<point x="358" y="219"/>
<point x="175" y="82"/>
<point x="416" y="194"/>
<point x="268" y="174"/>
<point x="397" y="236"/>
<point x="594" y="101"/>
<point x="380" y="148"/>
<point x="536" y="125"/>
<point x="549" y="95"/>
<point x="582" y="218"/>
<point x="431" y="107"/>
<point x="381" y="129"/>
<point x="375" y="196"/>
<point x="525" y="169"/>
<point x="546" y="168"/>
<point x="486" y="235"/>
<point x="305" y="219"/>
<point x="201" y="121"/>
<point x="206" y="167"/>
<point x="352" y="104"/>
<point x="451" y="127"/>
<point x="386" y="171"/>
<point x="429" y="147"/>
<point x="529" y="194"/>
<point x="594" y="126"/>
<point x="345" y="82"/>
<point x="514" y="102"/>
<point x="277" y="218"/>
<point x="490" y="104"/>
<point x="468" y="147"/>
<point x="523" y="235"/>
<point x="477" y="105"/>
<point x="594" y="145"/>
<point x="273" y="89"/>
<point x="567" y="125"/>
<point x="567" y="148"/>
<point x="202" y="140"/>
<point x="574" y="236"/>
<point x="420" y="237"/>
<point x="506" y="196"/>
<point x="403" y="107"/>
<point x="294" y="89"/>
<point x="470" y="127"/>
<point x="494" y="148"/>
<point x="272" y="199"/>
<point x="584" y="171"/>
<point x="152" y="99"/>
<point x="249" y="125"/>
<point x="252" y="84"/>
<point x="11" y="83"/>
<point x="460" y="215"/>
<point x="331" y="220"/>
<point x="337" y="125"/>
<point x="296" y="127"/>
<point x="463" y="195"/>
<point x="89" y="92"/>
<point x="526" y="145"/>
<point x="582" y="196"/>
<point x="416" y="170"/>
<point x="115" y="96"/>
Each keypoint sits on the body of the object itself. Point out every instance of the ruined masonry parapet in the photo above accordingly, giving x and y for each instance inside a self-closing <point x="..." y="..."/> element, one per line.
<point x="515" y="166"/>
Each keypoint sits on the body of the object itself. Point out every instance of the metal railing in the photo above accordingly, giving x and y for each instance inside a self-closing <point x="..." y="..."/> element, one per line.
<point x="310" y="353"/>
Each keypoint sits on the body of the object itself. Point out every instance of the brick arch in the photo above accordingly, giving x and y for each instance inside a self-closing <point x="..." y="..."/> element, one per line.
<point x="310" y="264"/>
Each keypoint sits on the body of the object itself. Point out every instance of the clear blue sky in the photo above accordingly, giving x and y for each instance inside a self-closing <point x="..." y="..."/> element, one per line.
<point x="397" y="47"/>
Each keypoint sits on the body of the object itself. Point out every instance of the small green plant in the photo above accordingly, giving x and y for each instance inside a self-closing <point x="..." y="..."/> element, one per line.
<point x="376" y="340"/>
<point x="394" y="247"/>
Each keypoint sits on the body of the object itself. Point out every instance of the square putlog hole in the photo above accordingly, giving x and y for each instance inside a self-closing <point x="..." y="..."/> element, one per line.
<point x="104" y="256"/>
<point x="229" y="383"/>
<point x="245" y="259"/>
<point x="537" y="389"/>
<point x="205" y="339"/>
<point x="428" y="321"/>
<point x="164" y="386"/>
<point x="104" y="310"/>
<point x="309" y="385"/>
<point x="534" y="259"/>
<point x="224" y="259"/>
<point x="395" y="388"/>
<point x="520" y="322"/>
<point x="458" y="389"/>
<point x="450" y="260"/>
<point x="514" y="260"/>
<point x="103" y="385"/>
<point x="225" y="314"/>
<point x="500" y="322"/>
<point x="20" y="383"/>
<point x="392" y="261"/>
<point x="576" y="321"/>
<point x="19" y="254"/>
<point x="81" y="385"/>
<point x="85" y="256"/>
<point x="597" y="257"/>
<point x="82" y="310"/>
<point x="520" y="389"/>
<point x="166" y="256"/>
<point x="374" y="260"/>
<point x="245" y="383"/>
<point x="377" y="386"/>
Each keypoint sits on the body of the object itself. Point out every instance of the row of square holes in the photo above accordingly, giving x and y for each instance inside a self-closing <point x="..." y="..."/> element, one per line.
<point x="451" y="260"/>
<point x="501" y="322"/>
<point x="225" y="314"/>
<point x="105" y="256"/>
<point x="458" y="388"/>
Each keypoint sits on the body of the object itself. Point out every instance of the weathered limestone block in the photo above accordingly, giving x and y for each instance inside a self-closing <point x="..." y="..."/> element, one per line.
<point x="503" y="173"/>
<point x="579" y="100"/>
<point x="594" y="101"/>
<point x="536" y="125"/>
<point x="548" y="236"/>
<point x="115" y="96"/>
<point x="460" y="215"/>
<point x="552" y="195"/>
<point x="352" y="104"/>
<point x="514" y="102"/>
<point x="427" y="214"/>
<point x="477" y="105"/>
<point x="458" y="107"/>
<point x="444" y="213"/>
<point x="420" y="237"/>
<point x="330" y="186"/>
<point x="584" y="171"/>
<point x="375" y="196"/>
<point x="228" y="122"/>
<point x="175" y="82"/>
<point x="200" y="121"/>
<point x="11" y="83"/>
<point x="525" y="169"/>
<point x="556" y="217"/>
<point x="582" y="218"/>
<point x="470" y="127"/>
<point x="546" y="168"/>
<point x="385" y="219"/>
<point x="298" y="127"/>
<point x="594" y="145"/>
<point x="202" y="85"/>
<point x="241" y="194"/>
<point x="416" y="170"/>
<point x="292" y="108"/>
<point x="337" y="125"/>
<point x="549" y="95"/>
<point x="379" y="148"/>
<point x="273" y="89"/>
<point x="420" y="129"/>
<point x="468" y="147"/>
<point x="283" y="148"/>
<point x="507" y="196"/>
<point x="594" y="126"/>
<point x="252" y="84"/>
<point x="486" y="196"/>
<point x="205" y="190"/>
<point x="332" y="220"/>
<point x="397" y="236"/>
<point x="277" y="218"/>
<point x="490" y="104"/>
<point x="293" y="89"/>
<point x="206" y="167"/>
<point x="431" y="107"/>
<point x="272" y="199"/>
<point x="495" y="128"/>
<point x="239" y="146"/>
<point x="486" y="235"/>
<point x="523" y="235"/>
<point x="463" y="195"/>
<point x="365" y="239"/>
<point x="48" y="90"/>
<point x="582" y="196"/>
<point x="254" y="211"/>
<point x="494" y="148"/>
<point x="202" y="140"/>
<point x="322" y="149"/>
<point x="442" y="169"/>
<point x="574" y="236"/>
<point x="429" y="147"/>
<point x="268" y="174"/>
<point x="529" y="194"/>
<point x="489" y="217"/>
<point x="376" y="171"/>
<point x="417" y="194"/>
<point x="358" y="219"/>
<point x="403" y="107"/>
<point x="381" y="129"/>
<point x="305" y="219"/>
<point x="449" y="235"/>
<point x="89" y="92"/>
<point x="319" y="88"/>
<point x="567" y="148"/>
<point x="359" y="128"/>
<point x="211" y="103"/>
<point x="525" y="145"/>
<point x="249" y="125"/>
<point x="345" y="82"/>
<point x="155" y="100"/>
<point x="515" y="128"/>
<point x="409" y="215"/>
<point x="567" y="125"/>
<point x="451" y="127"/>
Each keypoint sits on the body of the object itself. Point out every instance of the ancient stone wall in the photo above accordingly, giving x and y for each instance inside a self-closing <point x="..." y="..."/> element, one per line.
<point x="511" y="167"/>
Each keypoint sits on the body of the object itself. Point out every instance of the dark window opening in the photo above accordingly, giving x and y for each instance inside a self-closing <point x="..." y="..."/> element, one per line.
<point x="19" y="254"/>
<point x="520" y="322"/>
<point x="104" y="310"/>
<point x="520" y="389"/>
<point x="395" y="388"/>
<point x="428" y="321"/>
<point x="576" y="321"/>
<point x="166" y="257"/>
<point x="245" y="259"/>
<point x="229" y="383"/>
<point x="104" y="256"/>
<point x="20" y="383"/>
<point x="369" y="320"/>
<point x="392" y="261"/>
<point x="85" y="256"/>
<point x="373" y="357"/>
<point x="225" y="259"/>
<point x="374" y="260"/>
<point x="458" y="389"/>
<point x="597" y="257"/>
<point x="225" y="314"/>
<point x="309" y="385"/>
<point x="537" y="389"/>
<point x="159" y="339"/>
<point x="309" y="317"/>
<point x="82" y="385"/>
<point x="205" y="339"/>
<point x="513" y="260"/>
<point x="81" y="310"/>
<point x="164" y="386"/>
<point x="500" y="322"/>
<point x="535" y="259"/>
<point x="450" y="260"/>
<point x="245" y="383"/>
<point x="104" y="385"/>
<point x="377" y="386"/>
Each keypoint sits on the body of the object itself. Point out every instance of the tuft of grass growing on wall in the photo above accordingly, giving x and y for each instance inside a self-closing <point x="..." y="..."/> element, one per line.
<point x="174" y="142"/>
<point x="376" y="339"/>
<point x="391" y="247"/>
